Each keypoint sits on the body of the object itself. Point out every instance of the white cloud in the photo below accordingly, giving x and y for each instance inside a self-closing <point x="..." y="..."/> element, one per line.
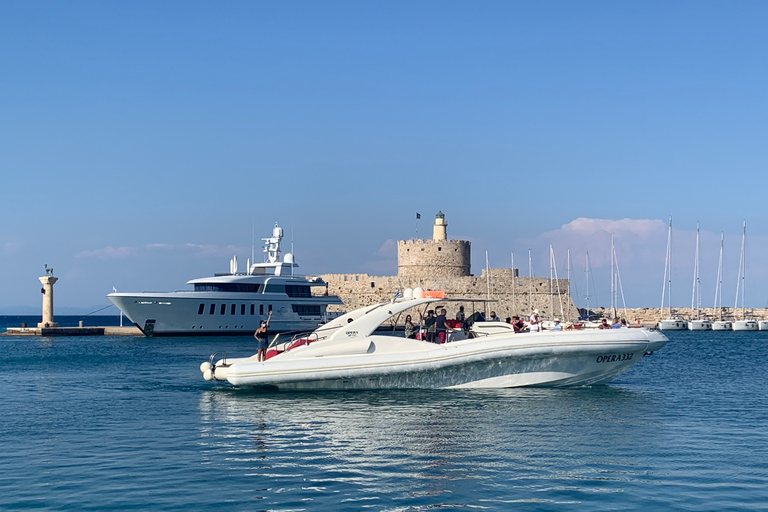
<point x="388" y="249"/>
<point x="108" y="252"/>
<point x="10" y="247"/>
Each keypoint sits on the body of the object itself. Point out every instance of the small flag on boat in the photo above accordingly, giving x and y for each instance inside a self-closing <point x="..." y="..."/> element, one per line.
<point x="398" y="295"/>
<point x="418" y="215"/>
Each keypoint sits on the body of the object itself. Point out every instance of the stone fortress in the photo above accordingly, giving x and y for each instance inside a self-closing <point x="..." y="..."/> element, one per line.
<point x="444" y="265"/>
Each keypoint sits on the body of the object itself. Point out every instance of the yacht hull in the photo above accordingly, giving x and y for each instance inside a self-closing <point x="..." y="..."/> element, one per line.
<point x="699" y="325"/>
<point x="745" y="325"/>
<point x="672" y="325"/>
<point x="722" y="325"/>
<point x="559" y="359"/>
<point x="178" y="313"/>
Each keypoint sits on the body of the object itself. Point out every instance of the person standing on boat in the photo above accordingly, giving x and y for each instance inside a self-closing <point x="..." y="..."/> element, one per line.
<point x="410" y="329"/>
<point x="518" y="324"/>
<point x="534" y="321"/>
<point x="261" y="338"/>
<point x="440" y="326"/>
<point x="429" y="324"/>
<point x="461" y="318"/>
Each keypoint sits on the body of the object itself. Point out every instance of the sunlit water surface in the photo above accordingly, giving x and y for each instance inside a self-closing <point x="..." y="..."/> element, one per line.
<point x="103" y="423"/>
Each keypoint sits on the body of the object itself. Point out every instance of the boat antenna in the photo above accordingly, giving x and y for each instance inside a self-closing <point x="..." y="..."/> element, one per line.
<point x="253" y="245"/>
<point x="293" y="255"/>
<point x="530" y="283"/>
<point x="514" y="283"/>
<point x="487" y="282"/>
<point x="557" y="282"/>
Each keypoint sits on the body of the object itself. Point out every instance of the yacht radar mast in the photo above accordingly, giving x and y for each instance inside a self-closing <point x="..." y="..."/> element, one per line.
<point x="272" y="244"/>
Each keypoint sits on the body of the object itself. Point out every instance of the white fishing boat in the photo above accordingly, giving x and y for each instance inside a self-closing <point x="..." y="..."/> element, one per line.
<point x="745" y="324"/>
<point x="234" y="303"/>
<point x="720" y="324"/>
<point x="671" y="323"/>
<point x="698" y="323"/>
<point x="349" y="353"/>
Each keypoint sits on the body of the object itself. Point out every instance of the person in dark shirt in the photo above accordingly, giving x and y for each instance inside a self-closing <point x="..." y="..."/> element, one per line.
<point x="440" y="327"/>
<point x="518" y="324"/>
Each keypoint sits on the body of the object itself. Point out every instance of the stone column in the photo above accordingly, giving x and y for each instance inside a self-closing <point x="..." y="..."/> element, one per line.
<point x="48" y="301"/>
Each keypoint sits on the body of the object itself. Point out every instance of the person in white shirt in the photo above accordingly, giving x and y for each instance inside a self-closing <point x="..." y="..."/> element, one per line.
<point x="533" y="321"/>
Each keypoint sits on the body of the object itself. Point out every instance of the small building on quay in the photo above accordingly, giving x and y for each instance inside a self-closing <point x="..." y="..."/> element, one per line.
<point x="443" y="264"/>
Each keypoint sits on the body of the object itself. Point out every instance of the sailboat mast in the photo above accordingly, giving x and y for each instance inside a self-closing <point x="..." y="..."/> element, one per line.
<point x="530" y="283"/>
<point x="719" y="285"/>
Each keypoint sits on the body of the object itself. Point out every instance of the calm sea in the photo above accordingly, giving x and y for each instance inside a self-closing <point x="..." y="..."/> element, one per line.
<point x="127" y="423"/>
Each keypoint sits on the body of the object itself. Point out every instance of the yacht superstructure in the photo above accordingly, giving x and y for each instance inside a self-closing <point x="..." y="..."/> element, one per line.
<point x="234" y="303"/>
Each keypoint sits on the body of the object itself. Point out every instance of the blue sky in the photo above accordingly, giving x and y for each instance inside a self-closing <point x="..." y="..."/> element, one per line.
<point x="140" y="142"/>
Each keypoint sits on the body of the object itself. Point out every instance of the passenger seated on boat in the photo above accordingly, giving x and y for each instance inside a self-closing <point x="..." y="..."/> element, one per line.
<point x="604" y="324"/>
<point x="616" y="323"/>
<point x="557" y="326"/>
<point x="494" y="318"/>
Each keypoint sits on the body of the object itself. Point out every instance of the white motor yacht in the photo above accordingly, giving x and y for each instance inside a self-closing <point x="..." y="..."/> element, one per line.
<point x="234" y="303"/>
<point x="349" y="353"/>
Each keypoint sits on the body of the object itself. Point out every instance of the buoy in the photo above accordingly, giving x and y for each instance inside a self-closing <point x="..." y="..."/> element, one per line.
<point x="205" y="367"/>
<point x="208" y="375"/>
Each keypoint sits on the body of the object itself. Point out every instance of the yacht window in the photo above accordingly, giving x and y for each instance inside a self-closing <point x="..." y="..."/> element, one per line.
<point x="275" y="288"/>
<point x="253" y="309"/>
<point x="228" y="287"/>
<point x="223" y="309"/>
<point x="212" y="310"/>
<point x="201" y="309"/>
<point x="232" y="309"/>
<point x="242" y="309"/>
<point x="261" y="309"/>
<point x="303" y="309"/>
<point x="298" y="291"/>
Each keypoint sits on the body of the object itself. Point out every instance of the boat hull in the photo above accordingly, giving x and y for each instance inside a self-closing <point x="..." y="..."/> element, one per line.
<point x="763" y="325"/>
<point x="745" y="325"/>
<point x="560" y="359"/>
<point x="178" y="313"/>
<point x="722" y="325"/>
<point x="699" y="325"/>
<point x="672" y="324"/>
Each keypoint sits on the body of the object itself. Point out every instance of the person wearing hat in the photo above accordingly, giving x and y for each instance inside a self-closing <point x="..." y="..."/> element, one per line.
<point x="534" y="321"/>
<point x="557" y="326"/>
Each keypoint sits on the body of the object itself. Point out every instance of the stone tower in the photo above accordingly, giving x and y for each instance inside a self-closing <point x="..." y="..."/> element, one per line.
<point x="438" y="257"/>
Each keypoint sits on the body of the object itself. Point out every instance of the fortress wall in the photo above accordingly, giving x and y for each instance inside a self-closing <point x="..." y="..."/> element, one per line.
<point x="513" y="295"/>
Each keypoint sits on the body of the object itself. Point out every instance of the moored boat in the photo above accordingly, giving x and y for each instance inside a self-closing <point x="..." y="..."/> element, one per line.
<point x="234" y="303"/>
<point x="349" y="353"/>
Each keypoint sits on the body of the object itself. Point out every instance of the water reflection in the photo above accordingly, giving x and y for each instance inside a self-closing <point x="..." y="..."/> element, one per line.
<point x="432" y="445"/>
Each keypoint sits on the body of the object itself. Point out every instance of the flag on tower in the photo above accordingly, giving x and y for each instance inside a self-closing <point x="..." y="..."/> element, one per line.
<point x="418" y="215"/>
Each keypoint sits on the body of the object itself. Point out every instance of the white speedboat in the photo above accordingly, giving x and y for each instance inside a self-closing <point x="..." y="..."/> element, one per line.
<point x="674" y="323"/>
<point x="722" y="325"/>
<point x="234" y="303"/>
<point x="349" y="353"/>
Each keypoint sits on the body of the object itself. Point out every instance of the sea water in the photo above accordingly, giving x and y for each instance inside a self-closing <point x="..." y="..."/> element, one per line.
<point x="128" y="423"/>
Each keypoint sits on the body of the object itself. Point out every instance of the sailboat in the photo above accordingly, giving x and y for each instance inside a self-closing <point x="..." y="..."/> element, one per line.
<point x="743" y="324"/>
<point x="671" y="323"/>
<point x="720" y="325"/>
<point x="698" y="323"/>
